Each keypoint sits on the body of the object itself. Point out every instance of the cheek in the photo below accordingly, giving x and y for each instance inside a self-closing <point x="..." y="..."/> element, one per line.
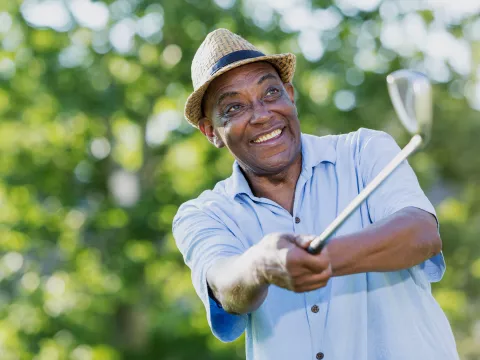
<point x="233" y="136"/>
<point x="286" y="105"/>
<point x="235" y="129"/>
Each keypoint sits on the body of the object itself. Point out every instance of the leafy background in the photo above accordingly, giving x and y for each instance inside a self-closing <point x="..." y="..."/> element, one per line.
<point x="96" y="156"/>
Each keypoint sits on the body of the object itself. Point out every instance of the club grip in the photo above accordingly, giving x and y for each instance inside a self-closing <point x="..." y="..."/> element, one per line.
<point x="316" y="246"/>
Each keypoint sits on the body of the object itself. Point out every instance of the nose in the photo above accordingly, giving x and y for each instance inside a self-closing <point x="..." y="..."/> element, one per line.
<point x="261" y="113"/>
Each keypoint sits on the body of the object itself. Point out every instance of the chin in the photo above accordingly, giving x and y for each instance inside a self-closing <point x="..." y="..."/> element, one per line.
<point x="270" y="162"/>
<point x="274" y="166"/>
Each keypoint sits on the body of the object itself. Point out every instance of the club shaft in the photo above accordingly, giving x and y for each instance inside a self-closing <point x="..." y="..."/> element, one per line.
<point x="320" y="241"/>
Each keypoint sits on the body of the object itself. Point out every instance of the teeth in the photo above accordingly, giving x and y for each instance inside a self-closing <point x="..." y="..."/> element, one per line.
<point x="268" y="136"/>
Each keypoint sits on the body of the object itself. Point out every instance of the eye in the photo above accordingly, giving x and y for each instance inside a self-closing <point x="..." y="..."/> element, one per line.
<point x="272" y="91"/>
<point x="232" y="109"/>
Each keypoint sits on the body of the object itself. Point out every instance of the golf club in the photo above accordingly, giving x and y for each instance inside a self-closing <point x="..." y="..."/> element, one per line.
<point x="411" y="96"/>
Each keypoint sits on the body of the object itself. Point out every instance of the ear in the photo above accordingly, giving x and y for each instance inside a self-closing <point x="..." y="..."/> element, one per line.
<point x="290" y="91"/>
<point x="207" y="129"/>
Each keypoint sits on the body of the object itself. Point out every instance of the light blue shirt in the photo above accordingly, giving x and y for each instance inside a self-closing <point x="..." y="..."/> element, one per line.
<point x="367" y="316"/>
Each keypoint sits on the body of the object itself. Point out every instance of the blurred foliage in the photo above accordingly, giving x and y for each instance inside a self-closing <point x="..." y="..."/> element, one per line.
<point x="96" y="158"/>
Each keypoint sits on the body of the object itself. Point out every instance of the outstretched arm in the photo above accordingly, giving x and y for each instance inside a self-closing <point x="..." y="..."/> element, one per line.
<point x="399" y="241"/>
<point x="236" y="284"/>
<point x="241" y="283"/>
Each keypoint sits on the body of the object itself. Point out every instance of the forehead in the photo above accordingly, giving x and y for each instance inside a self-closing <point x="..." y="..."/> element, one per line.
<point x="235" y="78"/>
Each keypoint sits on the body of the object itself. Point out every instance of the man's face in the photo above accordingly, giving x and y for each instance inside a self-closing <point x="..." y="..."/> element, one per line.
<point x="252" y="112"/>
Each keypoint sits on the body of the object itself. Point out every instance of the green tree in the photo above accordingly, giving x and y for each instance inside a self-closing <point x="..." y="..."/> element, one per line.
<point x="96" y="156"/>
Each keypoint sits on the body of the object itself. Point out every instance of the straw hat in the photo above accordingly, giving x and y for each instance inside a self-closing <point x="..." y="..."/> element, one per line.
<point x="221" y="51"/>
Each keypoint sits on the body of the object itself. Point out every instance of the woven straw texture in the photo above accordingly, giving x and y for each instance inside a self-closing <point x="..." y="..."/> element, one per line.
<point x="216" y="45"/>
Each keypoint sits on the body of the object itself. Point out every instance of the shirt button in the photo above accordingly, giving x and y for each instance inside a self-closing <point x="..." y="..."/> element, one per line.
<point x="297" y="220"/>
<point x="320" y="355"/>
<point x="315" y="309"/>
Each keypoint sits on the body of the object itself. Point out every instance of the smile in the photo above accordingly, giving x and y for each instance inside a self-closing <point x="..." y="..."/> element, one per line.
<point x="274" y="134"/>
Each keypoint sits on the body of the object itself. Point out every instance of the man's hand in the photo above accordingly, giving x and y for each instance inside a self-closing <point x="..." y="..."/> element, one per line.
<point x="283" y="261"/>
<point x="240" y="283"/>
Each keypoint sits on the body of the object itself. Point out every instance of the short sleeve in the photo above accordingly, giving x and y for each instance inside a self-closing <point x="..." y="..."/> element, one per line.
<point x="202" y="240"/>
<point x="400" y="190"/>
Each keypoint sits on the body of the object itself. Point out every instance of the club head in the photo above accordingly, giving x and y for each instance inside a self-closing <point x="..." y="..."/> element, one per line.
<point x="411" y="95"/>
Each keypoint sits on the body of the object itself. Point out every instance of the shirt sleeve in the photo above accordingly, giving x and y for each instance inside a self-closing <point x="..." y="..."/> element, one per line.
<point x="202" y="240"/>
<point x="401" y="189"/>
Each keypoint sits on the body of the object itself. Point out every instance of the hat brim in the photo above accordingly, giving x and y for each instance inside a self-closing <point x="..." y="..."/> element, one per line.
<point x="284" y="63"/>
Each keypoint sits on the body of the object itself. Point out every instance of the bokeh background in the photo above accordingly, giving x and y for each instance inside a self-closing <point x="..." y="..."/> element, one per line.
<point x="96" y="157"/>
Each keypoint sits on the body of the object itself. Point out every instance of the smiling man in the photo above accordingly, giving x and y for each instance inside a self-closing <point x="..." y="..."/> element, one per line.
<point x="367" y="295"/>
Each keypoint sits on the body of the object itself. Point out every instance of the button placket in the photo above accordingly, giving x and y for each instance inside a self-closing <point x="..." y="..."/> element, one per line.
<point x="317" y="313"/>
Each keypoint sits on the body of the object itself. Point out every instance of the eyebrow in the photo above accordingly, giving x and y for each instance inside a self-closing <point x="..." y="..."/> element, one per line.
<point x="266" y="77"/>
<point x="225" y="95"/>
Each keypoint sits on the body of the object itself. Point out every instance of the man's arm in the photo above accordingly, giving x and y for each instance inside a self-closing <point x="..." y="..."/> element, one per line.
<point x="241" y="283"/>
<point x="236" y="284"/>
<point x="399" y="241"/>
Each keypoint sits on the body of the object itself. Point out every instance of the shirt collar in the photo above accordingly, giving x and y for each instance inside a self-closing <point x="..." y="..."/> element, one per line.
<point x="315" y="150"/>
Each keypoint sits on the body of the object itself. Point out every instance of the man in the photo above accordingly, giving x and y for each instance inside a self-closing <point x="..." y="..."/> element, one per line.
<point x="366" y="296"/>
